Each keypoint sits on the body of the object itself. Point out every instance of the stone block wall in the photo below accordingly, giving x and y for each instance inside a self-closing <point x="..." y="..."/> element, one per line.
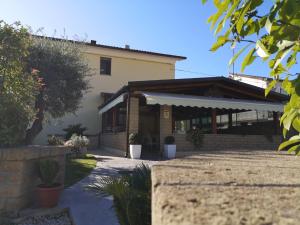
<point x="134" y="115"/>
<point x="229" y="142"/>
<point x="18" y="174"/>
<point x="114" y="142"/>
<point x="165" y="123"/>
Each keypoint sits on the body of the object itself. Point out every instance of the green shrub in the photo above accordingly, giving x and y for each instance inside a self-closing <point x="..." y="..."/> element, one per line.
<point x="195" y="136"/>
<point x="48" y="170"/>
<point x="74" y="129"/>
<point x="134" y="139"/>
<point x="132" y="195"/>
<point x="53" y="140"/>
<point x="169" y="140"/>
<point x="14" y="120"/>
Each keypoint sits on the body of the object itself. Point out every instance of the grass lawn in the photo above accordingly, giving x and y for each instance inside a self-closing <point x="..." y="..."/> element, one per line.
<point x="77" y="169"/>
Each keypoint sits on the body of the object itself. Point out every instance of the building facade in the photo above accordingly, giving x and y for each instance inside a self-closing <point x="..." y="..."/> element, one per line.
<point x="257" y="81"/>
<point x="112" y="68"/>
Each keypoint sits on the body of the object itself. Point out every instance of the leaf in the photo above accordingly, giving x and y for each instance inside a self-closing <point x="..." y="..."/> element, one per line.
<point x="248" y="59"/>
<point x="220" y="42"/>
<point x="233" y="59"/>
<point x="289" y="118"/>
<point x="261" y="50"/>
<point x="270" y="87"/>
<point x="268" y="25"/>
<point x="296" y="124"/>
<point x="204" y="1"/>
<point x="288" y="143"/>
<point x="295" y="148"/>
<point x="240" y="21"/>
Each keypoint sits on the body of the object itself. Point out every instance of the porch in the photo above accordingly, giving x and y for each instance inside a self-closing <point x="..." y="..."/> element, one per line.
<point x="244" y="122"/>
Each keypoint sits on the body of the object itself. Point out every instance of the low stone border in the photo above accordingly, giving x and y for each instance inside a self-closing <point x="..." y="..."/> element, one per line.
<point x="18" y="173"/>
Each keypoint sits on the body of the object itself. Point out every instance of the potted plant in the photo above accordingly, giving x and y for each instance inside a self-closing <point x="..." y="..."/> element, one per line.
<point x="169" y="147"/>
<point x="48" y="191"/>
<point x="135" y="146"/>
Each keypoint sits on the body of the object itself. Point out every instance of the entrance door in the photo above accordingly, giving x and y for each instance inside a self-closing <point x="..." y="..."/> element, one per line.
<point x="149" y="130"/>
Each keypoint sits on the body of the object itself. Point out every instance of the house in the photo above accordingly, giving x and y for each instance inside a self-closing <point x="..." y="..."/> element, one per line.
<point x="113" y="67"/>
<point x="217" y="105"/>
<point x="258" y="81"/>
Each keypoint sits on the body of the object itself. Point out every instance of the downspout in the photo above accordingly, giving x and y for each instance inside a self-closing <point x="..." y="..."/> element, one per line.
<point x="127" y="124"/>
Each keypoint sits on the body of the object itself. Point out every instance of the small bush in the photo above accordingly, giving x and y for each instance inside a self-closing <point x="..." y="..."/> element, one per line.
<point x="48" y="170"/>
<point x="14" y="120"/>
<point x="195" y="136"/>
<point x="53" y="140"/>
<point x="134" y="139"/>
<point x="132" y="195"/>
<point x="74" y="129"/>
<point x="169" y="140"/>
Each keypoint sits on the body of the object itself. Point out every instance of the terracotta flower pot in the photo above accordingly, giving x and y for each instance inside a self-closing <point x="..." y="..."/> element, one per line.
<point x="48" y="197"/>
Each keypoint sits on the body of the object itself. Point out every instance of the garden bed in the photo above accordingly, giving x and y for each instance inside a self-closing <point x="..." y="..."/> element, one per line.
<point x="78" y="168"/>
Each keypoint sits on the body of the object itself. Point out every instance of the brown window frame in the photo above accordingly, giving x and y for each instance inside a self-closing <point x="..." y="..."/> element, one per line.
<point x="105" y="71"/>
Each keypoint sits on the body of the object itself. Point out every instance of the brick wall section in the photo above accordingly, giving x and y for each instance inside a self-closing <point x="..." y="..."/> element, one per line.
<point x="165" y="123"/>
<point x="134" y="115"/>
<point x="229" y="142"/>
<point x="114" y="141"/>
<point x="18" y="174"/>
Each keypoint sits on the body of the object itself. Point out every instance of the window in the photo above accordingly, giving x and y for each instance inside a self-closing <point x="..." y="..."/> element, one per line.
<point x="105" y="66"/>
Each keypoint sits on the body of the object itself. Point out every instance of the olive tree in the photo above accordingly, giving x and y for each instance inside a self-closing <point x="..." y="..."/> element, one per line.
<point x="268" y="31"/>
<point x="64" y="73"/>
<point x="18" y="86"/>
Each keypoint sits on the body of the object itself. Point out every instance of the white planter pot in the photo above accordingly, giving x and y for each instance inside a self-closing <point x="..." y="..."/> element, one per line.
<point x="135" y="151"/>
<point x="170" y="151"/>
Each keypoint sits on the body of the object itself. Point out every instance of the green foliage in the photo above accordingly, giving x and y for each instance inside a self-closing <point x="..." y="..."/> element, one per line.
<point x="274" y="36"/>
<point x="64" y="72"/>
<point x="134" y="139"/>
<point x="132" y="195"/>
<point x="18" y="86"/>
<point x="77" y="169"/>
<point x="74" y="129"/>
<point x="14" y="120"/>
<point x="48" y="170"/>
<point x="169" y="140"/>
<point x="54" y="140"/>
<point x="195" y="136"/>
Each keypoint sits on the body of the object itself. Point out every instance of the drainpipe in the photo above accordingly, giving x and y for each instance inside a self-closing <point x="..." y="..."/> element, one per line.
<point x="127" y="124"/>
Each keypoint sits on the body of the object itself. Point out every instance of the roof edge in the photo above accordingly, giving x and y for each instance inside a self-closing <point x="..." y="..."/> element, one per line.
<point x="115" y="48"/>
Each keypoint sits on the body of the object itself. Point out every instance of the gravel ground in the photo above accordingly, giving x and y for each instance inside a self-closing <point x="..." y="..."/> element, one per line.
<point x="56" y="219"/>
<point x="228" y="188"/>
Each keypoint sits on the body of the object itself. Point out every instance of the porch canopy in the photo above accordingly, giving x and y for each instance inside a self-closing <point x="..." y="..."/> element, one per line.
<point x="224" y="93"/>
<point x="113" y="103"/>
<point x="153" y="98"/>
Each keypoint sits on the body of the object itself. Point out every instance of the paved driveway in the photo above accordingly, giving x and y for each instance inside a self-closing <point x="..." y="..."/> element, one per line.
<point x="88" y="209"/>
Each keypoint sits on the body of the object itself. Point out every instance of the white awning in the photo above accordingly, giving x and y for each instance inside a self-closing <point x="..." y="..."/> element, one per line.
<point x="153" y="98"/>
<point x="112" y="104"/>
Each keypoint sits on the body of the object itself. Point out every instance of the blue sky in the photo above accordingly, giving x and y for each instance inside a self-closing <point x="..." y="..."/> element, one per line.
<point x="168" y="26"/>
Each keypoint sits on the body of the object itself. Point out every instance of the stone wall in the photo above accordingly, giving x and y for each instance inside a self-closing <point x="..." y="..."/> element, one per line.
<point x="114" y="142"/>
<point x="134" y="115"/>
<point x="18" y="173"/>
<point x="165" y="123"/>
<point x="228" y="142"/>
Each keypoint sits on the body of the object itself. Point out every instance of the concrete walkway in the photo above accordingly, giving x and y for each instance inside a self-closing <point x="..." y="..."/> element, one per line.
<point x="87" y="208"/>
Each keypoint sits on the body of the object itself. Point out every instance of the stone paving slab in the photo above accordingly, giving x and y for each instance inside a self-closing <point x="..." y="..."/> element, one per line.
<point x="85" y="207"/>
<point x="227" y="188"/>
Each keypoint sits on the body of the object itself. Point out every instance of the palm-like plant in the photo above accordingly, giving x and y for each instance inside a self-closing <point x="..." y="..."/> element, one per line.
<point x="132" y="195"/>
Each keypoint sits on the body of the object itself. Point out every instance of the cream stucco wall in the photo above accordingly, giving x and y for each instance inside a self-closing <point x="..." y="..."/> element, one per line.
<point x="126" y="66"/>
